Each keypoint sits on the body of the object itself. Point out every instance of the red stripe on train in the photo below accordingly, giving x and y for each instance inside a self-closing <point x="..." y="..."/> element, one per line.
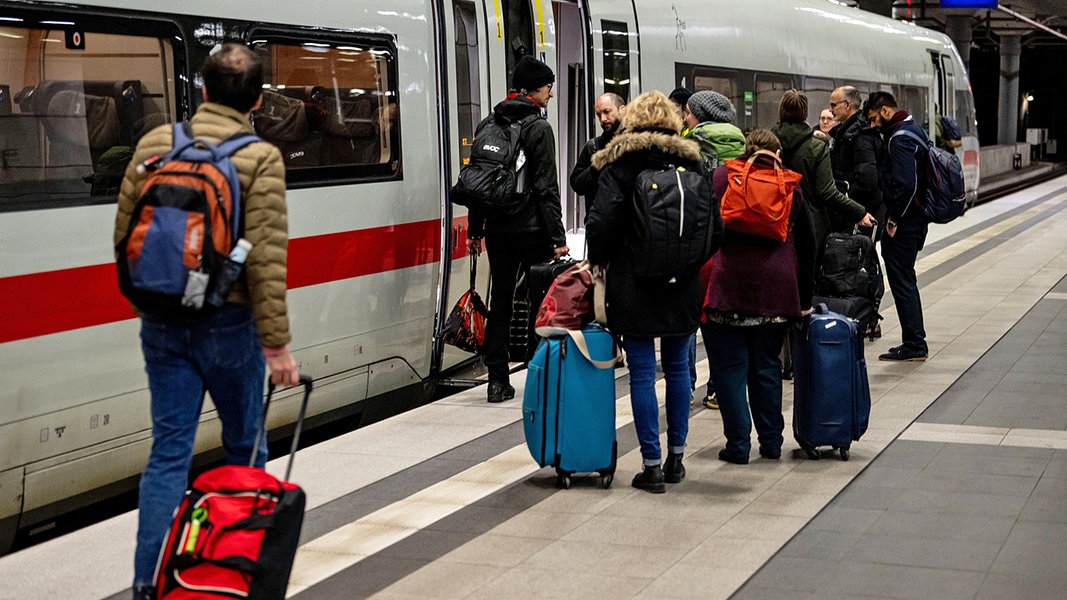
<point x="55" y="301"/>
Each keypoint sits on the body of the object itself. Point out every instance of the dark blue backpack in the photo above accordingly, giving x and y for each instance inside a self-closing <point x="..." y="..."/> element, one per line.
<point x="945" y="191"/>
<point x="950" y="129"/>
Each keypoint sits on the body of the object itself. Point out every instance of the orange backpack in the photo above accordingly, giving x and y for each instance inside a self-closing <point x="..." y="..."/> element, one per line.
<point x="758" y="201"/>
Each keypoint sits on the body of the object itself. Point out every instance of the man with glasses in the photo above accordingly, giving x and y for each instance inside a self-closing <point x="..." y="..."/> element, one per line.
<point x="533" y="232"/>
<point x="854" y="149"/>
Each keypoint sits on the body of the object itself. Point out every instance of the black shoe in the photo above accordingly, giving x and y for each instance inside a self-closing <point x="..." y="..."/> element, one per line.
<point x="673" y="470"/>
<point x="733" y="457"/>
<point x="900" y="353"/>
<point x="876" y="332"/>
<point x="500" y="391"/>
<point x="650" y="480"/>
<point x="771" y="453"/>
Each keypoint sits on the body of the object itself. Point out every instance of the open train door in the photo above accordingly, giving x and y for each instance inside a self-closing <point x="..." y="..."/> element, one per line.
<point x="574" y="105"/>
<point x="463" y="93"/>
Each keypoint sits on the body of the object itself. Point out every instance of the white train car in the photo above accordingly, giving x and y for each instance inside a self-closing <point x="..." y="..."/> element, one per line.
<point x="373" y="105"/>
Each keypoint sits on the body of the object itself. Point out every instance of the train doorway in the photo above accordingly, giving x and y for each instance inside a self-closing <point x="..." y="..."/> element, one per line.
<point x="575" y="105"/>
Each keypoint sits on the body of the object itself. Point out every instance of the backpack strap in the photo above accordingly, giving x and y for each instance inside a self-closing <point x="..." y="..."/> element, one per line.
<point x="579" y="341"/>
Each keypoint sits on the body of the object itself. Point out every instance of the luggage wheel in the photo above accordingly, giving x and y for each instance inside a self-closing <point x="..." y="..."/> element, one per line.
<point x="813" y="453"/>
<point x="606" y="479"/>
<point x="844" y="452"/>
<point x="563" y="480"/>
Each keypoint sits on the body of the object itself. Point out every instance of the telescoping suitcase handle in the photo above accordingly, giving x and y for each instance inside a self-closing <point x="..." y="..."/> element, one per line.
<point x="305" y="380"/>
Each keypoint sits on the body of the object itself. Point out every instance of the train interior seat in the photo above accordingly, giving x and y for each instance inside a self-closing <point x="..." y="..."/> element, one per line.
<point x="64" y="126"/>
<point x="282" y="120"/>
<point x="352" y="129"/>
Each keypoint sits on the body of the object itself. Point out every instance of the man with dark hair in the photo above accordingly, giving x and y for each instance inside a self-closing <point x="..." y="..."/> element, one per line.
<point x="226" y="351"/>
<point x="608" y="109"/>
<point x="901" y="179"/>
<point x="854" y="151"/>
<point x="531" y="234"/>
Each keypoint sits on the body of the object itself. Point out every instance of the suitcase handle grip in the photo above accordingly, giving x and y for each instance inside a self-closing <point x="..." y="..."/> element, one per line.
<point x="306" y="381"/>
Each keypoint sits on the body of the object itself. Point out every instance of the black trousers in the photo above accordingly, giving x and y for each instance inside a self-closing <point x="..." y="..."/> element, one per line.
<point x="509" y="255"/>
<point x="900" y="253"/>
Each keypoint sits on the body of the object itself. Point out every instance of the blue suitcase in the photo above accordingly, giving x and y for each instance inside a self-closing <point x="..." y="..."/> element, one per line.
<point x="831" y="394"/>
<point x="568" y="406"/>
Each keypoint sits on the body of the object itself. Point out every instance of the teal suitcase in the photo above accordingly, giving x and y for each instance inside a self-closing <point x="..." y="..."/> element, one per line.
<point x="568" y="405"/>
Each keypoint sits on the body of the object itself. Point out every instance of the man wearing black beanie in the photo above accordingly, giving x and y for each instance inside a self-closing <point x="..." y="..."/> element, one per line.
<point x="533" y="231"/>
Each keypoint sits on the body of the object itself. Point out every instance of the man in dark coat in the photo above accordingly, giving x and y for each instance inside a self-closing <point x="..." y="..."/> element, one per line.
<point x="583" y="177"/>
<point x="532" y="234"/>
<point x="900" y="176"/>
<point x="854" y="151"/>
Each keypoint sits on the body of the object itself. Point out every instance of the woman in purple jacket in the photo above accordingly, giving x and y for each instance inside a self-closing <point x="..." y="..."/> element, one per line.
<point x="757" y="287"/>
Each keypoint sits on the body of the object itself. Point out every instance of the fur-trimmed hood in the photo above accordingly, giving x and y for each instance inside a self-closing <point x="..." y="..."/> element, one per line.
<point x="628" y="142"/>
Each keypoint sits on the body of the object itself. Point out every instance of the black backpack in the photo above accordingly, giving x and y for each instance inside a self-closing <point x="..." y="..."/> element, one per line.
<point x="492" y="182"/>
<point x="676" y="219"/>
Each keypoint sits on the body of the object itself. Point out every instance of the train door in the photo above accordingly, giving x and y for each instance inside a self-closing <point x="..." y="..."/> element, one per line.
<point x="941" y="99"/>
<point x="464" y="102"/>
<point x="574" y="105"/>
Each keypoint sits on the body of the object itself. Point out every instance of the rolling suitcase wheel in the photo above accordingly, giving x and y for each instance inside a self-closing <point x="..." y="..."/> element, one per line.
<point x="813" y="453"/>
<point x="563" y="479"/>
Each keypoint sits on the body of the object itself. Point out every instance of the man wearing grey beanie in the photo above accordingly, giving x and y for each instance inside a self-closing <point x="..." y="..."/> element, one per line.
<point x="710" y="116"/>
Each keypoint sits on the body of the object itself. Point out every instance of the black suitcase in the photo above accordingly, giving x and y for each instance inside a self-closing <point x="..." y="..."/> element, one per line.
<point x="236" y="532"/>
<point x="530" y="290"/>
<point x="849" y="279"/>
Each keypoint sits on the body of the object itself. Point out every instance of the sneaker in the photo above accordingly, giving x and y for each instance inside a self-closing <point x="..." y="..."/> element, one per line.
<point x="651" y="480"/>
<point x="499" y="391"/>
<point x="711" y="401"/>
<point x="673" y="470"/>
<point x="771" y="453"/>
<point x="902" y="354"/>
<point x="733" y="457"/>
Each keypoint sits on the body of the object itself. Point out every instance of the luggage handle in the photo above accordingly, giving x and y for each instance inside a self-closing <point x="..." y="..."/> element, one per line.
<point x="305" y="380"/>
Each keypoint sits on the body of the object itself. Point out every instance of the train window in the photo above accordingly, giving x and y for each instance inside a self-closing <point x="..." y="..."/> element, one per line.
<point x="519" y="32"/>
<point x="69" y="126"/>
<point x="616" y="58"/>
<point x="818" y="91"/>
<point x="330" y="107"/>
<point x="723" y="81"/>
<point x="468" y="76"/>
<point x="964" y="112"/>
<point x="914" y="101"/>
<point x="769" y="91"/>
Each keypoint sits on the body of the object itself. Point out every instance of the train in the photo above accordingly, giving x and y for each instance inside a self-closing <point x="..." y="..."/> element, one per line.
<point x="374" y="106"/>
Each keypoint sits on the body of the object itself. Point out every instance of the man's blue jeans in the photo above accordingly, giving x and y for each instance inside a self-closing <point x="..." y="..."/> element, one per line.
<point x="641" y="359"/>
<point x="222" y="355"/>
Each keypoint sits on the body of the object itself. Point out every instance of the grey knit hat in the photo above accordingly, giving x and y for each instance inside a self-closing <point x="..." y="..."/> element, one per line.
<point x="711" y="106"/>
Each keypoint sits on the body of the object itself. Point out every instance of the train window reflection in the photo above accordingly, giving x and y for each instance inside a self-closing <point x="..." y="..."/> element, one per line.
<point x="67" y="124"/>
<point x="818" y="91"/>
<point x="330" y="105"/>
<point x="769" y="91"/>
<point x="616" y="58"/>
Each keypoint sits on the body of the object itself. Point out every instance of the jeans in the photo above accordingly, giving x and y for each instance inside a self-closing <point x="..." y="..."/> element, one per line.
<point x="900" y="253"/>
<point x="220" y="354"/>
<point x="641" y="359"/>
<point x="508" y="256"/>
<point x="747" y="358"/>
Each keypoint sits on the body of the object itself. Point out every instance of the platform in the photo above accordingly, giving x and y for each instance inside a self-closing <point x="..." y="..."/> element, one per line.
<point x="958" y="489"/>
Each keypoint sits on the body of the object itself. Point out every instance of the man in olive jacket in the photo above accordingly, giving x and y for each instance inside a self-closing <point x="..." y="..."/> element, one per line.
<point x="226" y="351"/>
<point x="810" y="157"/>
<point x="534" y="232"/>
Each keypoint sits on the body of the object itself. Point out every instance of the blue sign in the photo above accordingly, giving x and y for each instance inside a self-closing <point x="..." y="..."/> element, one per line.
<point x="968" y="3"/>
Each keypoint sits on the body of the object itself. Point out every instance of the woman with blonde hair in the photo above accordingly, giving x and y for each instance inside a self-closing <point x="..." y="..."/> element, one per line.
<point x="641" y="309"/>
<point x="757" y="287"/>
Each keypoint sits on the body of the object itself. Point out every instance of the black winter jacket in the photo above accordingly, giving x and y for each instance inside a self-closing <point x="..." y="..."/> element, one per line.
<point x="854" y="160"/>
<point x="541" y="214"/>
<point x="583" y="176"/>
<point x="635" y="305"/>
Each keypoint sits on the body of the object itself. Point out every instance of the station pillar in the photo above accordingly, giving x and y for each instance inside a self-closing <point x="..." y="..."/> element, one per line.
<point x="1008" y="106"/>
<point x="959" y="28"/>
